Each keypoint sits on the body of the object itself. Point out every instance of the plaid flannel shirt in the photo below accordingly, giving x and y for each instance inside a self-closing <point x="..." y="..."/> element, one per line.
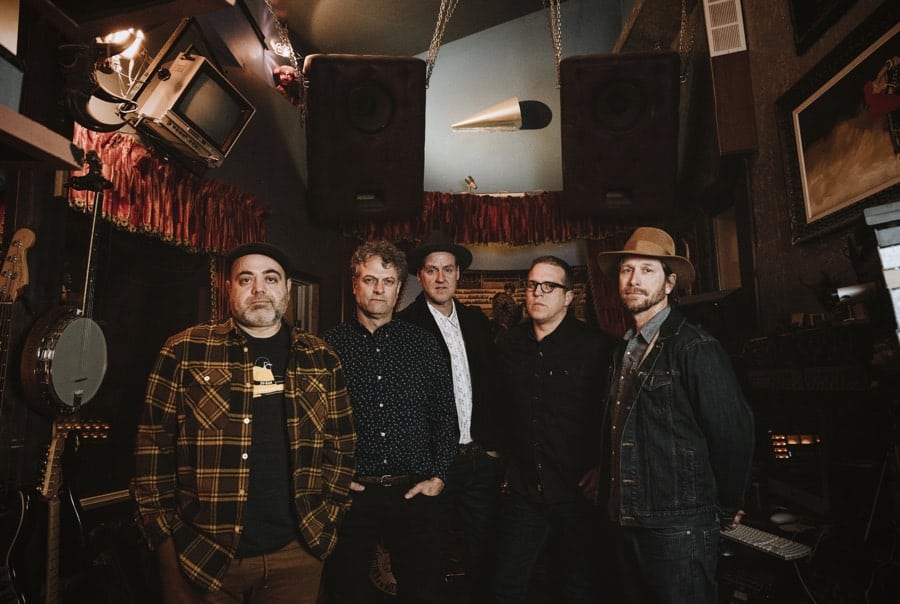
<point x="191" y="477"/>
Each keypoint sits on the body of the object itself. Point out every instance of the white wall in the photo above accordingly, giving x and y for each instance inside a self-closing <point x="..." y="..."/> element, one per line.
<point x="512" y="59"/>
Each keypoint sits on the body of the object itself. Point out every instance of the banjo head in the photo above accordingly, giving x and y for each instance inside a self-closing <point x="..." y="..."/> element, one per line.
<point x="79" y="363"/>
<point x="63" y="362"/>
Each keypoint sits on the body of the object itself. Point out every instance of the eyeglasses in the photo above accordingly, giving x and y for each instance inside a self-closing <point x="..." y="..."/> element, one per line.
<point x="546" y="286"/>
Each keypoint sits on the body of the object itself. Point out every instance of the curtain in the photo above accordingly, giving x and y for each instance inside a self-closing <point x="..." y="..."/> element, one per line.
<point x="532" y="218"/>
<point x="164" y="200"/>
<point x="516" y="220"/>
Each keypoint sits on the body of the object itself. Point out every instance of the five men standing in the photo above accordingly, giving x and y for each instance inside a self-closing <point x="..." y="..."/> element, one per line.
<point x="257" y="441"/>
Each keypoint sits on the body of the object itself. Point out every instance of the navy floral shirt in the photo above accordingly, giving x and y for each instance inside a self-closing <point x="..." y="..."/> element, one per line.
<point x="402" y="397"/>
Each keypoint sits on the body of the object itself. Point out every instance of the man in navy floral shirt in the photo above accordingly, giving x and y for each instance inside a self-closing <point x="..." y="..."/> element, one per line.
<point x="401" y="392"/>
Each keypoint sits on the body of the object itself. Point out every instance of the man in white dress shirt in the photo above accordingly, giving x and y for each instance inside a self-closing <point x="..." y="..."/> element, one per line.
<point x="470" y="496"/>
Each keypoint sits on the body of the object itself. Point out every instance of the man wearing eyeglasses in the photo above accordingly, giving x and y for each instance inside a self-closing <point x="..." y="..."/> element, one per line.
<point x="554" y="370"/>
<point x="402" y="398"/>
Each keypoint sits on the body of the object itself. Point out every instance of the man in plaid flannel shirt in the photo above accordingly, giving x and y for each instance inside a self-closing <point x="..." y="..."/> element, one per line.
<point x="245" y="449"/>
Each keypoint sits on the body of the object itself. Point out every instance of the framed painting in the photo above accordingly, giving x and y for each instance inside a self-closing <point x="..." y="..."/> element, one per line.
<point x="840" y="127"/>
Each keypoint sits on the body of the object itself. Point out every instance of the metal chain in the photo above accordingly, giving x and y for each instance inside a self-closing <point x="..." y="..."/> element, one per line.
<point x="554" y="23"/>
<point x="685" y="42"/>
<point x="444" y="14"/>
<point x="284" y="37"/>
<point x="213" y="289"/>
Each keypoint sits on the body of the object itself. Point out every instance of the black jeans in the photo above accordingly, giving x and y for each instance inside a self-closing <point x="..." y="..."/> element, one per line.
<point x="409" y="531"/>
<point x="675" y="565"/>
<point x="469" y="504"/>
<point x="525" y="530"/>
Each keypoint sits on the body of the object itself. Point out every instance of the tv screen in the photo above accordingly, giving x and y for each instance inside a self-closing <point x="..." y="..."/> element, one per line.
<point x="190" y="106"/>
<point x="211" y="107"/>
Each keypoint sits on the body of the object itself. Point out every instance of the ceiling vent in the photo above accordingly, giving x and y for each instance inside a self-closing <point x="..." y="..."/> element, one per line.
<point x="724" y="27"/>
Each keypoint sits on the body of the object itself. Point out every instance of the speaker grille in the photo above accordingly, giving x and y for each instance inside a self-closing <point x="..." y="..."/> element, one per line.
<point x="365" y="136"/>
<point x="619" y="134"/>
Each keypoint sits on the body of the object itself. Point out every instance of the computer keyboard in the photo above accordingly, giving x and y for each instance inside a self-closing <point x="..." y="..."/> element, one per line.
<point x="774" y="545"/>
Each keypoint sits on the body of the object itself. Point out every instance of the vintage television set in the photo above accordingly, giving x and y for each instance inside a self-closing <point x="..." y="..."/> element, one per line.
<point x="190" y="106"/>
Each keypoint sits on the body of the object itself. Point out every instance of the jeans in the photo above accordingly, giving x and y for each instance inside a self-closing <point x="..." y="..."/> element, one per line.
<point x="290" y="575"/>
<point x="469" y="503"/>
<point x="674" y="565"/>
<point x="525" y="530"/>
<point x="408" y="528"/>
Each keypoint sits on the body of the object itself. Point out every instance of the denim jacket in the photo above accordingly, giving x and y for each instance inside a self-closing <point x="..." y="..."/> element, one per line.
<point x="687" y="442"/>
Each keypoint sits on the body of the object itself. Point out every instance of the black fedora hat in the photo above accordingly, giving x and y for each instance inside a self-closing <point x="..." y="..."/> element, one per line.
<point x="438" y="242"/>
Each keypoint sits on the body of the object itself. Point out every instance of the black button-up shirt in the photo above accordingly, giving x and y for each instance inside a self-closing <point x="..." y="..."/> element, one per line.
<point x="402" y="397"/>
<point x="555" y="391"/>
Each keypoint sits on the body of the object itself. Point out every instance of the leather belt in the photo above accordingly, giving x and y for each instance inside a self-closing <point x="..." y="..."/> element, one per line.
<point x="388" y="480"/>
<point x="469" y="449"/>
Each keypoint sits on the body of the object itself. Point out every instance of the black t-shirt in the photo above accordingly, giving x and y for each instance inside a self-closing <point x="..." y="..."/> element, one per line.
<point x="269" y="516"/>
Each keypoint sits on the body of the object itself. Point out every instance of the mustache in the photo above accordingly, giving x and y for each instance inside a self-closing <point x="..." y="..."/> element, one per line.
<point x="262" y="298"/>
<point x="637" y="290"/>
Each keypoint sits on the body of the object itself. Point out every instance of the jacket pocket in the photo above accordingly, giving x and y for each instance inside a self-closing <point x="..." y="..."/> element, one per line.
<point x="658" y="392"/>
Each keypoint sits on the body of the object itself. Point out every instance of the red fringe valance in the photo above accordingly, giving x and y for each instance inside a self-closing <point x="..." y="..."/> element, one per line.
<point x="164" y="200"/>
<point x="513" y="219"/>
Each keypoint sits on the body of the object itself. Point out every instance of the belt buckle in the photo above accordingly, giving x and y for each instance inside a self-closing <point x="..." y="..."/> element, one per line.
<point x="384" y="481"/>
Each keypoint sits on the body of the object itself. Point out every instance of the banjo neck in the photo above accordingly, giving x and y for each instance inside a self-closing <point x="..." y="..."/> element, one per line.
<point x="92" y="181"/>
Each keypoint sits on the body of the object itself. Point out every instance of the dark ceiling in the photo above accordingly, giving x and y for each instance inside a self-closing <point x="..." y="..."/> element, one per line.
<point x="391" y="27"/>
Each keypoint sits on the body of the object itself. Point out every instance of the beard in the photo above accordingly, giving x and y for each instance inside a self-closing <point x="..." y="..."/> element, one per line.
<point x="254" y="314"/>
<point x="642" y="304"/>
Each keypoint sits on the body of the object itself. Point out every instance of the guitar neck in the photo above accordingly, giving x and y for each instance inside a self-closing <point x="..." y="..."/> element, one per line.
<point x="51" y="580"/>
<point x="5" y="319"/>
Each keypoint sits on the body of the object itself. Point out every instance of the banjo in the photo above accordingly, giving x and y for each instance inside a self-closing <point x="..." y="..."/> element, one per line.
<point x="64" y="358"/>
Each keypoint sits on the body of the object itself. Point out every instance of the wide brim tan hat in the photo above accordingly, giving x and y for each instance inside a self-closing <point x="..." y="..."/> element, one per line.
<point x="651" y="243"/>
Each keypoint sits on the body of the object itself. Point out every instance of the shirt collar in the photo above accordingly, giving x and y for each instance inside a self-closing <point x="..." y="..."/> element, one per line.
<point x="453" y="319"/>
<point x="649" y="331"/>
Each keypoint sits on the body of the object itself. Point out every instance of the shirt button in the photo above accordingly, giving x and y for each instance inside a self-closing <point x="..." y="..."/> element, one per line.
<point x="246" y="349"/>
<point x="205" y="378"/>
<point x="245" y="455"/>
<point x="381" y="404"/>
<point x="385" y="461"/>
<point x="246" y="420"/>
<point x="238" y="529"/>
<point x="382" y="434"/>
<point x="378" y="377"/>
